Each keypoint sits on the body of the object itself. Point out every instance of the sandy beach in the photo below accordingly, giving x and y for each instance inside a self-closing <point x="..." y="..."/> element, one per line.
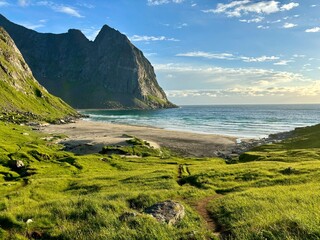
<point x="84" y="137"/>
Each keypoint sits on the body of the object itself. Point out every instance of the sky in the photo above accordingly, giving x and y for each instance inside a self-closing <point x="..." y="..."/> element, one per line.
<point x="203" y="51"/>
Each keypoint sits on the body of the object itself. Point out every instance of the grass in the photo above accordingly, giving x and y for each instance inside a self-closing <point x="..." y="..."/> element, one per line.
<point x="273" y="194"/>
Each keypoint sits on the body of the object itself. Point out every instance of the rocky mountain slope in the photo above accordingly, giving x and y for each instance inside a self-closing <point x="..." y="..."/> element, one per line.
<point x="109" y="72"/>
<point x="20" y="94"/>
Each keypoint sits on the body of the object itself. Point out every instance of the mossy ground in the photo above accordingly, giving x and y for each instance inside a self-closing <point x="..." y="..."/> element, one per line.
<point x="274" y="195"/>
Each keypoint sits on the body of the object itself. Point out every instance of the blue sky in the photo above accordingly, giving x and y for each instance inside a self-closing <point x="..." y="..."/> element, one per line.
<point x="203" y="51"/>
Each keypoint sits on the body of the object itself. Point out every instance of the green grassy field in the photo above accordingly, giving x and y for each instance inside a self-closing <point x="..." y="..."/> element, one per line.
<point x="272" y="192"/>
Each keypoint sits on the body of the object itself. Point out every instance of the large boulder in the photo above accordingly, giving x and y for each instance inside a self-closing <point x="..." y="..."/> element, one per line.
<point x="169" y="211"/>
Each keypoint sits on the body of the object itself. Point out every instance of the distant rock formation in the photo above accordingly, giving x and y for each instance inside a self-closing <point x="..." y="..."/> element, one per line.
<point x="20" y="93"/>
<point x="109" y="72"/>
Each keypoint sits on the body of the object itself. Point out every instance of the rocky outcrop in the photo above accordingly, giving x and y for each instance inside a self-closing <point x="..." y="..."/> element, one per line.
<point x="109" y="72"/>
<point x="21" y="95"/>
<point x="169" y="212"/>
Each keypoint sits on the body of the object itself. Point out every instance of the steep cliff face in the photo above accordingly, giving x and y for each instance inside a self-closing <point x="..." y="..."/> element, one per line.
<point x="108" y="72"/>
<point x="20" y="92"/>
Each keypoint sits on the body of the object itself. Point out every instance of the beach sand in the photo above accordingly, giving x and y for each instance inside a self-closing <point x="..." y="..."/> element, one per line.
<point x="85" y="137"/>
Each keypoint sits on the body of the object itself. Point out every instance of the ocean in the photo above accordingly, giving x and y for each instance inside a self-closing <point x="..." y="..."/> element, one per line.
<point x="242" y="121"/>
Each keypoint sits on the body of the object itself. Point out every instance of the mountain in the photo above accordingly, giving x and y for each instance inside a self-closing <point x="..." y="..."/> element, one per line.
<point x="109" y="72"/>
<point x="21" y="94"/>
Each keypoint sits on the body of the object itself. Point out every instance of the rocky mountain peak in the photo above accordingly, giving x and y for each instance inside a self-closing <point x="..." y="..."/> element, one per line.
<point x="109" y="72"/>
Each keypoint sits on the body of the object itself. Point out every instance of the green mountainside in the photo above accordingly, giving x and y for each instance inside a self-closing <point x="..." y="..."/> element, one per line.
<point x="21" y="94"/>
<point x="109" y="72"/>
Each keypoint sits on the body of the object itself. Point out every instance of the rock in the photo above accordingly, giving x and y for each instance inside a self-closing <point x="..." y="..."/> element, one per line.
<point x="16" y="79"/>
<point x="29" y="221"/>
<point x="109" y="72"/>
<point x="19" y="164"/>
<point x="169" y="212"/>
<point x="25" y="134"/>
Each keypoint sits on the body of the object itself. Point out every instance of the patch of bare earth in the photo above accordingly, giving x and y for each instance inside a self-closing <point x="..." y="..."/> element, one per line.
<point x="201" y="208"/>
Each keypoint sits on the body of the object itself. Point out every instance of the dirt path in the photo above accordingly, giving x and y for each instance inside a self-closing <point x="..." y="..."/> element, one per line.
<point x="201" y="208"/>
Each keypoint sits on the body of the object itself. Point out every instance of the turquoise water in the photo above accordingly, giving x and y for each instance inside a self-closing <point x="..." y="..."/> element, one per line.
<point x="253" y="121"/>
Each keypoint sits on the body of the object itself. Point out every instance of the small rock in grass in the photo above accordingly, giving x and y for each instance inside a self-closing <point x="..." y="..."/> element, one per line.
<point x="169" y="211"/>
<point x="29" y="221"/>
<point x="19" y="164"/>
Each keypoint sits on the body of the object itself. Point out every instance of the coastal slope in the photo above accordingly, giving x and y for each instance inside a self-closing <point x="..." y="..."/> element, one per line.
<point x="109" y="72"/>
<point x="21" y="95"/>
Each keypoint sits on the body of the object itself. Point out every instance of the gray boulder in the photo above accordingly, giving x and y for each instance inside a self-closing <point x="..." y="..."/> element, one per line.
<point x="169" y="212"/>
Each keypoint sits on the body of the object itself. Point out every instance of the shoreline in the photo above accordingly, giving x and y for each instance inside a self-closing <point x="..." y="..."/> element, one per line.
<point x="85" y="137"/>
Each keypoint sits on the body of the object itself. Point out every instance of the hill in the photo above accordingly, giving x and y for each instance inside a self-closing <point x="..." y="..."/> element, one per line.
<point x="22" y="97"/>
<point x="109" y="72"/>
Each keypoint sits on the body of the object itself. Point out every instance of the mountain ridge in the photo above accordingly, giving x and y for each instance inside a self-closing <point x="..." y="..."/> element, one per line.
<point x="21" y="95"/>
<point x="109" y="72"/>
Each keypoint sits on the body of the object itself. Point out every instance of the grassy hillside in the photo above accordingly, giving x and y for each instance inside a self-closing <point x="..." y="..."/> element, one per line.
<point x="20" y="92"/>
<point x="275" y="192"/>
<point x="273" y="195"/>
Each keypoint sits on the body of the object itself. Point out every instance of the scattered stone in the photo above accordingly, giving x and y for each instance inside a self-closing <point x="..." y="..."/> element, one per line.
<point x="29" y="221"/>
<point x="169" y="212"/>
<point x="243" y="146"/>
<point x="25" y="134"/>
<point x="33" y="124"/>
<point x="16" y="164"/>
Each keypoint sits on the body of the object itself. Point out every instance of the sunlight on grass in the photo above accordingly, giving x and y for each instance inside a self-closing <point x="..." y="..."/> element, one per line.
<point x="64" y="196"/>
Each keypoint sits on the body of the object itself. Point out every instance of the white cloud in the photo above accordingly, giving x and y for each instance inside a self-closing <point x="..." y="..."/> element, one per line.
<point x="32" y="26"/>
<point x="263" y="27"/>
<point x="260" y="59"/>
<point x="283" y="62"/>
<point x="193" y="5"/>
<point x="224" y="8"/>
<point x="226" y="83"/>
<point x="60" y="8"/>
<point x="229" y="76"/>
<point x="299" y="56"/>
<point x="68" y="10"/>
<point x="253" y="20"/>
<point x="289" y="6"/>
<point x="138" y="38"/>
<point x="23" y="3"/>
<point x="313" y="30"/>
<point x="86" y="5"/>
<point x="182" y="25"/>
<point x="161" y="2"/>
<point x="3" y="3"/>
<point x="239" y="8"/>
<point x="310" y="90"/>
<point x="289" y="25"/>
<point x="227" y="56"/>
